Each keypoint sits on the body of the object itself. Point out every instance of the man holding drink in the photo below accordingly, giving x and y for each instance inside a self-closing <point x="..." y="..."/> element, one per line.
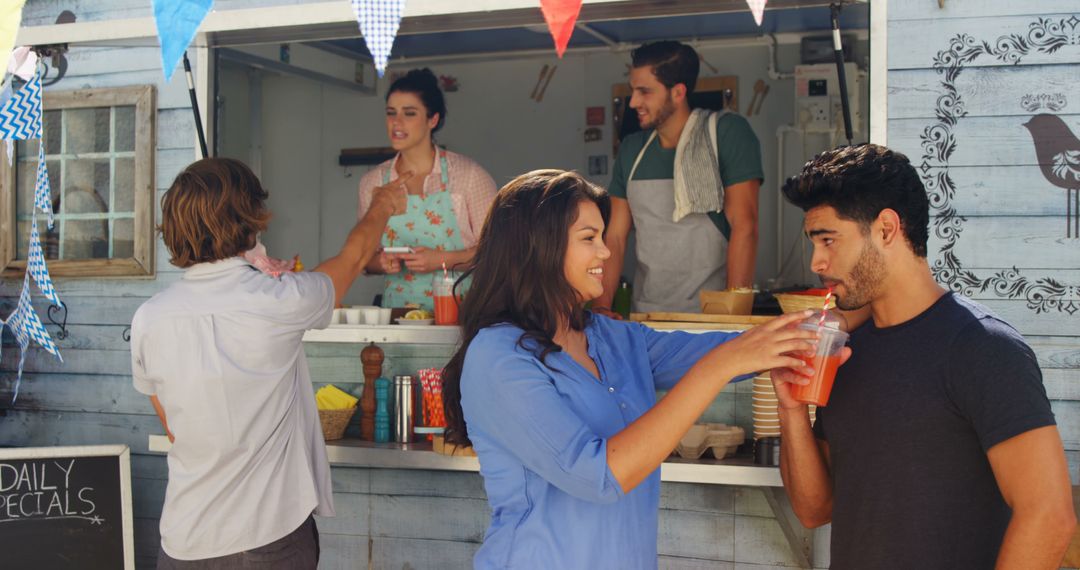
<point x="937" y="448"/>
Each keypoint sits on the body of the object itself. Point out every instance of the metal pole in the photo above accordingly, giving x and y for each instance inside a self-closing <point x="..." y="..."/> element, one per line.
<point x="838" y="52"/>
<point x="195" y="106"/>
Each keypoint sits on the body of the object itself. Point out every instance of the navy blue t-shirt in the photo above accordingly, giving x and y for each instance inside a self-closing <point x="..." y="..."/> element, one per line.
<point x="909" y="422"/>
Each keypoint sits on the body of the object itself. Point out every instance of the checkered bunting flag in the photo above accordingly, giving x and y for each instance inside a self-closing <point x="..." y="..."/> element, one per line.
<point x="20" y="117"/>
<point x="35" y="266"/>
<point x="42" y="191"/>
<point x="379" y="21"/>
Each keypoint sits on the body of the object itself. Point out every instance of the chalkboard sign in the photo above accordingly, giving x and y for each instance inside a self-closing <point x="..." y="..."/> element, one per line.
<point x="66" y="507"/>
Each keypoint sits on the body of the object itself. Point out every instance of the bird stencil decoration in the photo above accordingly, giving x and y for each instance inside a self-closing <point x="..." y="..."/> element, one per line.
<point x="1058" y="152"/>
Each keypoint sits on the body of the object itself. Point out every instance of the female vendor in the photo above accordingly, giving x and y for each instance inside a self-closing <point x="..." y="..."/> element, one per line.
<point x="449" y="194"/>
<point x="559" y="403"/>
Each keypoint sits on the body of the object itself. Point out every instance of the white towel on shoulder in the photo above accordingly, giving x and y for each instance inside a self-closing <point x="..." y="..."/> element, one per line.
<point x="698" y="187"/>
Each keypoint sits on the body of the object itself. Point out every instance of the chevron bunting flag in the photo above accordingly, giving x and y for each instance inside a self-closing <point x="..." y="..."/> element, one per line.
<point x="26" y="326"/>
<point x="379" y="21"/>
<point x="35" y="265"/>
<point x="42" y="190"/>
<point x="177" y="22"/>
<point x="560" y="15"/>
<point x="20" y="117"/>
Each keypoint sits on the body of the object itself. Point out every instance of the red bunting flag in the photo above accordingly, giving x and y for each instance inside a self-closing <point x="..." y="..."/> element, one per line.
<point x="561" y="15"/>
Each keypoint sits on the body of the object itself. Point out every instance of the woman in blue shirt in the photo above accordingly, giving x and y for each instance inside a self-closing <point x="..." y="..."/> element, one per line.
<point x="560" y="404"/>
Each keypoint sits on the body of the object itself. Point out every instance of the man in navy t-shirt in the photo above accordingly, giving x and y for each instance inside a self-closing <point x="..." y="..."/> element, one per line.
<point x="938" y="448"/>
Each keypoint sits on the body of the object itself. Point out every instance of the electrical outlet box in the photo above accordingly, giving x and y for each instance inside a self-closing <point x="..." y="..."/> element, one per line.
<point x="817" y="97"/>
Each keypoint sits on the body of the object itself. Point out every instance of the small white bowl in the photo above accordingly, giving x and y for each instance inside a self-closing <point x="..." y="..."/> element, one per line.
<point x="404" y="321"/>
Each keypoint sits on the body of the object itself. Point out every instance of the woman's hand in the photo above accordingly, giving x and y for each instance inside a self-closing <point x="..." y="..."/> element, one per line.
<point x="783" y="377"/>
<point x="766" y="347"/>
<point x="423" y="259"/>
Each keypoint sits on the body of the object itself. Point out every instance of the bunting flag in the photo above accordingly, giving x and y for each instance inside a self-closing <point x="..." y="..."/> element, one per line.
<point x="42" y="191"/>
<point x="757" y="8"/>
<point x="177" y="22"/>
<point x="26" y="326"/>
<point x="20" y="117"/>
<point x="10" y="18"/>
<point x="379" y="21"/>
<point x="35" y="265"/>
<point x="23" y="63"/>
<point x="561" y="16"/>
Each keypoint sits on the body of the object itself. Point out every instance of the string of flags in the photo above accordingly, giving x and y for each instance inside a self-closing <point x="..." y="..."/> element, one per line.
<point x="379" y="20"/>
<point x="20" y="119"/>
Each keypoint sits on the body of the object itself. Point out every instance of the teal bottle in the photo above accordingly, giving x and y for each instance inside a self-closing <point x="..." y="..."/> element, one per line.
<point x="621" y="303"/>
<point x="382" y="410"/>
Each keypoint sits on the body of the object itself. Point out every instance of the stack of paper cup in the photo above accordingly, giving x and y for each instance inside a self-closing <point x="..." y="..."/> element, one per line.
<point x="765" y="403"/>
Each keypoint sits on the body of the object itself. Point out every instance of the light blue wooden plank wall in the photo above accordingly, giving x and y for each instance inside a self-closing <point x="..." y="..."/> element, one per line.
<point x="1014" y="216"/>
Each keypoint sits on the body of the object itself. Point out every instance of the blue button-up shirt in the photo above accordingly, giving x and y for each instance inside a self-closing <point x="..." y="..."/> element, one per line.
<point x="541" y="434"/>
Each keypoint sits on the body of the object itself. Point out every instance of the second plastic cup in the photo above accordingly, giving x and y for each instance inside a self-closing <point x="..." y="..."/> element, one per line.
<point x="825" y="361"/>
<point x="446" y="306"/>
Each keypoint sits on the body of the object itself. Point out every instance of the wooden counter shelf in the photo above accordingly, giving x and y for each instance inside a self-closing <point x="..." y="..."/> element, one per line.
<point x="351" y="452"/>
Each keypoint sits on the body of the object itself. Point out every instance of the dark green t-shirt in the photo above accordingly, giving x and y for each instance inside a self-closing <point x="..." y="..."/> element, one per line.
<point x="739" y="154"/>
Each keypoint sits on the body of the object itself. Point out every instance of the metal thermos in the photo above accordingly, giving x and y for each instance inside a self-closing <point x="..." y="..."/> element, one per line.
<point x="404" y="406"/>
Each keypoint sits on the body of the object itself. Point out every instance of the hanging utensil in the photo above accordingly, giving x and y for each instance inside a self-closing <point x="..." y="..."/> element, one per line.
<point x="539" y="80"/>
<point x="759" y="87"/>
<point x="757" y="110"/>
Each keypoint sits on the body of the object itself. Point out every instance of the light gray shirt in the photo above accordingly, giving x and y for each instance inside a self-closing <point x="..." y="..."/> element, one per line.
<point x="222" y="349"/>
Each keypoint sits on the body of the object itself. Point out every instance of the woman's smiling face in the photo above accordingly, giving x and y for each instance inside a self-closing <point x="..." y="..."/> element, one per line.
<point x="586" y="253"/>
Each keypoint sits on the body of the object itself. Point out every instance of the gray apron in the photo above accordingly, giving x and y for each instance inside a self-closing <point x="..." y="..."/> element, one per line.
<point x="675" y="261"/>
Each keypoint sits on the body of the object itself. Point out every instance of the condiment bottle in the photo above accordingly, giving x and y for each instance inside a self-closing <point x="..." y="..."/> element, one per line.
<point x="620" y="304"/>
<point x="372" y="357"/>
<point x="382" y="410"/>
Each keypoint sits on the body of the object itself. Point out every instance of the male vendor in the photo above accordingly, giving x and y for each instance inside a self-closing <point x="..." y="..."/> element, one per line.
<point x="688" y="183"/>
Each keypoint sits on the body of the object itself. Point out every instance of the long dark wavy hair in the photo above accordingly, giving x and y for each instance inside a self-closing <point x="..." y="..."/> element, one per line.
<point x="517" y="272"/>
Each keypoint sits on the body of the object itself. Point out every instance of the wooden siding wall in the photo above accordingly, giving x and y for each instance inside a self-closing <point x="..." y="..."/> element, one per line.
<point x="1014" y="216"/>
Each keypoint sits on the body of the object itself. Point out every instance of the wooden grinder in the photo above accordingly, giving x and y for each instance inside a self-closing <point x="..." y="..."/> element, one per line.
<point x="372" y="358"/>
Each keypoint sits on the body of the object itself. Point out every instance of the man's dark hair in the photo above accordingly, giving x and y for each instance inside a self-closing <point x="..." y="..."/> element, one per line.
<point x="861" y="181"/>
<point x="672" y="63"/>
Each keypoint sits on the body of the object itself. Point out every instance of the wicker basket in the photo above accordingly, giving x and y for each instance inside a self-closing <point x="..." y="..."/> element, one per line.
<point x="793" y="303"/>
<point x="334" y="422"/>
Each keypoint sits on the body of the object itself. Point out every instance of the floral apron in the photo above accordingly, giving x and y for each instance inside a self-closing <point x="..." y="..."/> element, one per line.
<point x="428" y="221"/>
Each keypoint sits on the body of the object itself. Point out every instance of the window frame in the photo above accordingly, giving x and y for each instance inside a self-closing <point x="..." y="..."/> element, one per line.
<point x="141" y="263"/>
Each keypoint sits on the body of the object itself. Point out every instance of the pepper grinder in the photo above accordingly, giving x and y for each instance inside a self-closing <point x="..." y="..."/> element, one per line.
<point x="372" y="357"/>
<point x="382" y="410"/>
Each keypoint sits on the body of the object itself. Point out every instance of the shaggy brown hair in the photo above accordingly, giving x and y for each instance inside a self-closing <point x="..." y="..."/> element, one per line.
<point x="214" y="210"/>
